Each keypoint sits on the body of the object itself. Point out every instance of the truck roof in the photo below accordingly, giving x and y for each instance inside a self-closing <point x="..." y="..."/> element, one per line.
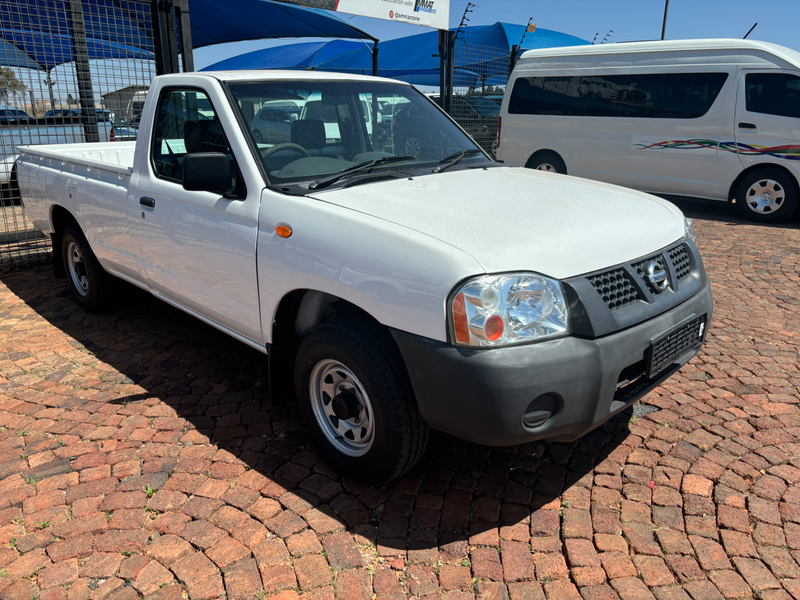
<point x="282" y="75"/>
<point x="789" y="55"/>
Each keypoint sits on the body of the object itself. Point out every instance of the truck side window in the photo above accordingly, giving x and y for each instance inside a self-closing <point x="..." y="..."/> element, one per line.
<point x="773" y="94"/>
<point x="186" y="122"/>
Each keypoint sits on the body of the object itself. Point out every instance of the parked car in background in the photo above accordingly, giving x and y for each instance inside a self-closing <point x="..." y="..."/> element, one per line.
<point x="391" y="293"/>
<point x="475" y="114"/>
<point x="103" y="114"/>
<point x="716" y="119"/>
<point x="10" y="114"/>
<point x="272" y="126"/>
<point x="63" y="112"/>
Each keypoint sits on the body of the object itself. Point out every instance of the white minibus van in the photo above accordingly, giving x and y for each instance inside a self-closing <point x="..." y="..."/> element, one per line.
<point x="716" y="119"/>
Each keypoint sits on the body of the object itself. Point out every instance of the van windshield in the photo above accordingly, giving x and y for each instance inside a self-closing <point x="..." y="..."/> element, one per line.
<point x="305" y="130"/>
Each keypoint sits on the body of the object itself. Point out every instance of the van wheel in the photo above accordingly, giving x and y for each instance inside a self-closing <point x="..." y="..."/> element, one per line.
<point x="357" y="401"/>
<point x="92" y="287"/>
<point x="550" y="162"/>
<point x="257" y="136"/>
<point x="767" y="195"/>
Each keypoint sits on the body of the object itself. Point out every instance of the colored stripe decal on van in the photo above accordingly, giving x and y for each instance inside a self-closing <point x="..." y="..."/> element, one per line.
<point x="788" y="152"/>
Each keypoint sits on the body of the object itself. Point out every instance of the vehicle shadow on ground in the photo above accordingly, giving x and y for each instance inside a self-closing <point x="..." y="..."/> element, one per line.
<point x="458" y="492"/>
<point x="724" y="212"/>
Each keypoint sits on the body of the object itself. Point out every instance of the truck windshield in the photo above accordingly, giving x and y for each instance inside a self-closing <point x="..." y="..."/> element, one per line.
<point x="305" y="130"/>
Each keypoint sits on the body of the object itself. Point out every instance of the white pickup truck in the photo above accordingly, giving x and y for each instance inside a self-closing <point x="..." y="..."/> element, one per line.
<point x="392" y="293"/>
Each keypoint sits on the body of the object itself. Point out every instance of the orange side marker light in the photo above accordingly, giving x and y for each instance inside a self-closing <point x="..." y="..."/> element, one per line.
<point x="284" y="231"/>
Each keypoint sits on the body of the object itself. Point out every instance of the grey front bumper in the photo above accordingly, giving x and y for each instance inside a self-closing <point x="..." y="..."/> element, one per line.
<point x="482" y="395"/>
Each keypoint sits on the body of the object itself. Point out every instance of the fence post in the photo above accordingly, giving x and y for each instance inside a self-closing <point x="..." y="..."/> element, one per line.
<point x="451" y="59"/>
<point x="82" y="72"/>
<point x="442" y="65"/>
<point x="182" y="7"/>
<point x="164" y="37"/>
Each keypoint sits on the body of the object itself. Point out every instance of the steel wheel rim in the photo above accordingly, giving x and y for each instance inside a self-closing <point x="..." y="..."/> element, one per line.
<point x="413" y="146"/>
<point x="77" y="269"/>
<point x="765" y="196"/>
<point x="546" y="167"/>
<point x="351" y="437"/>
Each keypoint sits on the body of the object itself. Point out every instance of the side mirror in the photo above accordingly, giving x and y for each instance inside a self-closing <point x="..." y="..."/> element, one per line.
<point x="206" y="172"/>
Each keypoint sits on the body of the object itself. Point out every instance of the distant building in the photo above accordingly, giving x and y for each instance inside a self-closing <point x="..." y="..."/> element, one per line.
<point x="119" y="101"/>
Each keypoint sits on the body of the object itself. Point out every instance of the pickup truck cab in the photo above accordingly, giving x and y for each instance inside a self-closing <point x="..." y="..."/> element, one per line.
<point x="392" y="292"/>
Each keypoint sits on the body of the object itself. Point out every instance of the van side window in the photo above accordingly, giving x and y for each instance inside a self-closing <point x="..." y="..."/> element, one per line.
<point x="640" y="95"/>
<point x="669" y="96"/>
<point x="773" y="94"/>
<point x="186" y="122"/>
<point x="705" y="89"/>
<point x="604" y="95"/>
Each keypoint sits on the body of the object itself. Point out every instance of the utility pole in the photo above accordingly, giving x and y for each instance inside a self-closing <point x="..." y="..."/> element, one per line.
<point x="664" y="26"/>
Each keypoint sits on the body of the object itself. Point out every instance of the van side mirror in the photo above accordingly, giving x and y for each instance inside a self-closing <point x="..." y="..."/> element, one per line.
<point x="206" y="172"/>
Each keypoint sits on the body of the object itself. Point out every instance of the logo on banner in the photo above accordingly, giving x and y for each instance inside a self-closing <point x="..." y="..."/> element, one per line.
<point x="391" y="14"/>
<point x="424" y="6"/>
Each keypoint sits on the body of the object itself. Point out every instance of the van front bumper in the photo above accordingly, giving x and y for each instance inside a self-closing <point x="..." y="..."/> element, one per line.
<point x="484" y="395"/>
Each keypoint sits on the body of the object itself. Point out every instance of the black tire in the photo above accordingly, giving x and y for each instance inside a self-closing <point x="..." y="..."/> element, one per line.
<point x="780" y="182"/>
<point x="100" y="287"/>
<point x="400" y="435"/>
<point x="257" y="136"/>
<point x="549" y="158"/>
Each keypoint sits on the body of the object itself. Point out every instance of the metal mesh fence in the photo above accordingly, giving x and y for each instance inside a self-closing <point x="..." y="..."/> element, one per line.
<point x="70" y="71"/>
<point x="479" y="80"/>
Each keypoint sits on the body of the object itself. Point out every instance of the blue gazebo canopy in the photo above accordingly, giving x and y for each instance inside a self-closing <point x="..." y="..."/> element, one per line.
<point x="37" y="35"/>
<point x="481" y="53"/>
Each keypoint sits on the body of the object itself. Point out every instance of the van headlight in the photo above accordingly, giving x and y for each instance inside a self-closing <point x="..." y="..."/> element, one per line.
<point x="688" y="229"/>
<point x="512" y="308"/>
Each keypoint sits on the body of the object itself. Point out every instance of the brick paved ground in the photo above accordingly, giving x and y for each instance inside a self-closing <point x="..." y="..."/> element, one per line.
<point x="140" y="457"/>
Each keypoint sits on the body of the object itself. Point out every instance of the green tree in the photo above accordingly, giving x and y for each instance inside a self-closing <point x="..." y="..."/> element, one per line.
<point x="71" y="100"/>
<point x="9" y="84"/>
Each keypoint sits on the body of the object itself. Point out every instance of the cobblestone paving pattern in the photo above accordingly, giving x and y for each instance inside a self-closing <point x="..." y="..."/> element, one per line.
<point x="140" y="457"/>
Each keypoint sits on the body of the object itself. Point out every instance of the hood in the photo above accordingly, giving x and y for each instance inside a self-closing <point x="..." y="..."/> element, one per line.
<point x="515" y="219"/>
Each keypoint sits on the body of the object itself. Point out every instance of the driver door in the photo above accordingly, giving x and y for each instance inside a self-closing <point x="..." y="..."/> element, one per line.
<point x="199" y="248"/>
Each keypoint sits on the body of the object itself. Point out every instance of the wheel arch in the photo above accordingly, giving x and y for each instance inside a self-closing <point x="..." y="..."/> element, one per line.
<point x="60" y="218"/>
<point x="758" y="167"/>
<point x="300" y="311"/>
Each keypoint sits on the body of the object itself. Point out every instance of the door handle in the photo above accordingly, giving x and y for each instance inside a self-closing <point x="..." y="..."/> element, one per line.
<point x="746" y="126"/>
<point x="147" y="201"/>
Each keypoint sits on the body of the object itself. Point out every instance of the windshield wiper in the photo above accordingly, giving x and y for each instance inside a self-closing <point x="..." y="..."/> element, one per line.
<point x="321" y="183"/>
<point x="451" y="160"/>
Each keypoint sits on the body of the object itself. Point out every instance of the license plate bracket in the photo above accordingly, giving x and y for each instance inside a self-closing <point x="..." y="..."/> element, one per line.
<point x="685" y="336"/>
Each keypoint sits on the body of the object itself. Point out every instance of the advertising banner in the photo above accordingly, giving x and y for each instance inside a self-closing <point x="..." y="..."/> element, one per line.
<point x="428" y="13"/>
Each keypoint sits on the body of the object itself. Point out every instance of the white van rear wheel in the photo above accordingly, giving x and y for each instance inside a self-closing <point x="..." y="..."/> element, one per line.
<point x="767" y="195"/>
<point x="549" y="162"/>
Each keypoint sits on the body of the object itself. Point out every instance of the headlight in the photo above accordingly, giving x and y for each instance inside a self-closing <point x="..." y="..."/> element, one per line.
<point x="688" y="228"/>
<point x="497" y="310"/>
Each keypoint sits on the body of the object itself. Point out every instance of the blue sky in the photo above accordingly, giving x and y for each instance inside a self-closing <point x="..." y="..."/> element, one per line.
<point x="629" y="19"/>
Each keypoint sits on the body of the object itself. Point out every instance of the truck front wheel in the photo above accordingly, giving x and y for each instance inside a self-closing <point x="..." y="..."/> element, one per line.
<point x="357" y="401"/>
<point x="92" y="287"/>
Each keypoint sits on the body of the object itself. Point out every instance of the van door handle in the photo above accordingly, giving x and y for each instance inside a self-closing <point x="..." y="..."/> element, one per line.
<point x="147" y="201"/>
<point x="746" y="126"/>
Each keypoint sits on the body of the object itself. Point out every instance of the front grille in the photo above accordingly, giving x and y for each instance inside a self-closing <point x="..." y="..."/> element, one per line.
<point x="680" y="261"/>
<point x="674" y="344"/>
<point x="616" y="288"/>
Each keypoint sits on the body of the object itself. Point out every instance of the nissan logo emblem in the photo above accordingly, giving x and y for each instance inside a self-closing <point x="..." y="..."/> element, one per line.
<point x="656" y="275"/>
